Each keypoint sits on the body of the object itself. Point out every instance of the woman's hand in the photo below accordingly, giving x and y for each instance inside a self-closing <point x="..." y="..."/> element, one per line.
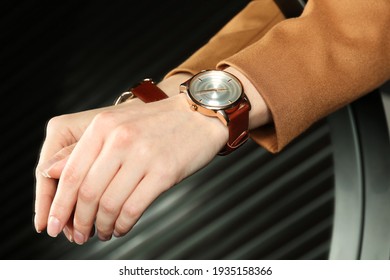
<point x="63" y="132"/>
<point x="122" y="162"/>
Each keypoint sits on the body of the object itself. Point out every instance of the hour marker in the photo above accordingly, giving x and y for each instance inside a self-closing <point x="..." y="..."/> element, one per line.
<point x="230" y="101"/>
<point x="229" y="80"/>
<point x="200" y="79"/>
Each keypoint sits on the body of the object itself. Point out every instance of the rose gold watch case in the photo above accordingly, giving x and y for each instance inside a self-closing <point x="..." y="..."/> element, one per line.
<point x="220" y="112"/>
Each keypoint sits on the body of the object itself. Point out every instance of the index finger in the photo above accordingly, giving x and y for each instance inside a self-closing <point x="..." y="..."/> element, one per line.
<point x="76" y="167"/>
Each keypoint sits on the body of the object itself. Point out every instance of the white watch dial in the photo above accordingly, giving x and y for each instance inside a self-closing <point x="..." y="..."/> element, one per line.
<point x="215" y="89"/>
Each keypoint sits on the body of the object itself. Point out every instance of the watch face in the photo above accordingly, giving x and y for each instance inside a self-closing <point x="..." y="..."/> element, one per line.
<point x="215" y="89"/>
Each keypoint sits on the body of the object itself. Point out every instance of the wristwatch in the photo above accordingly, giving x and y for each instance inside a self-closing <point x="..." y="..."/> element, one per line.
<point x="217" y="93"/>
<point x="146" y="90"/>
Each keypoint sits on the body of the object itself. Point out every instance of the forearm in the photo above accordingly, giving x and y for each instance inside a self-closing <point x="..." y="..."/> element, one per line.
<point x="304" y="68"/>
<point x="308" y="67"/>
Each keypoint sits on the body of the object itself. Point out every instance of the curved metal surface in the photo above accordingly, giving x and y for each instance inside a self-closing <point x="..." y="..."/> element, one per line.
<point x="349" y="196"/>
<point x="375" y="152"/>
<point x="360" y="139"/>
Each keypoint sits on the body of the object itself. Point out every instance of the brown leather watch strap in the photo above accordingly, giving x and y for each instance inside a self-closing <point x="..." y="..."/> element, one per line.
<point x="238" y="127"/>
<point x="146" y="90"/>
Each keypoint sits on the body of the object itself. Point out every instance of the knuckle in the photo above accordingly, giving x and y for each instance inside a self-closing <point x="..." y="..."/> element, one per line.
<point x="108" y="206"/>
<point x="87" y="194"/>
<point x="124" y="135"/>
<point x="70" y="175"/>
<point x="121" y="228"/>
<point x="105" y="119"/>
<point x="132" y="212"/>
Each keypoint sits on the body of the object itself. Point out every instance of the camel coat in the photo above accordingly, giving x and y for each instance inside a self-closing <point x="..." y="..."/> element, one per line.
<point x="307" y="67"/>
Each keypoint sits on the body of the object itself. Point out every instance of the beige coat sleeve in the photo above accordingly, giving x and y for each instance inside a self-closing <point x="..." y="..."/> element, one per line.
<point x="307" y="67"/>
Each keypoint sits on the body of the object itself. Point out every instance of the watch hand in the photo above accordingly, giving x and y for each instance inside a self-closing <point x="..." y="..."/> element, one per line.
<point x="211" y="89"/>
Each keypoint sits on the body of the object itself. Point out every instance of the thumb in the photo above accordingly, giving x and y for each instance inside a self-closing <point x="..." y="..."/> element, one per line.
<point x="54" y="166"/>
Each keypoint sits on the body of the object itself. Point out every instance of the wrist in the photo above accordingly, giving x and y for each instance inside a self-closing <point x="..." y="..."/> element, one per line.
<point x="219" y="94"/>
<point x="171" y="84"/>
<point x="214" y="130"/>
<point x="259" y="114"/>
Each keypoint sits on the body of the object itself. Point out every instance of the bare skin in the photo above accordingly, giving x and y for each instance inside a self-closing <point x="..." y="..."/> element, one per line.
<point x="102" y="168"/>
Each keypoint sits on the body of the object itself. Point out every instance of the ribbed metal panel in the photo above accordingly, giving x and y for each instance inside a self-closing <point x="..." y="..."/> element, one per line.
<point x="64" y="57"/>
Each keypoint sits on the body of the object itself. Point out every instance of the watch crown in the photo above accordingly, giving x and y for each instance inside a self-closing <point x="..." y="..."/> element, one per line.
<point x="194" y="107"/>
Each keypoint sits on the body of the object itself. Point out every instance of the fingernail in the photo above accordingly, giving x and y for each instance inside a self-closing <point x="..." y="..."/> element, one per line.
<point x="116" y="234"/>
<point x="53" y="227"/>
<point x="78" y="237"/>
<point x="43" y="167"/>
<point x="68" y="234"/>
<point x="45" y="173"/>
<point x="46" y="167"/>
<point x="36" y="224"/>
<point x="104" y="237"/>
